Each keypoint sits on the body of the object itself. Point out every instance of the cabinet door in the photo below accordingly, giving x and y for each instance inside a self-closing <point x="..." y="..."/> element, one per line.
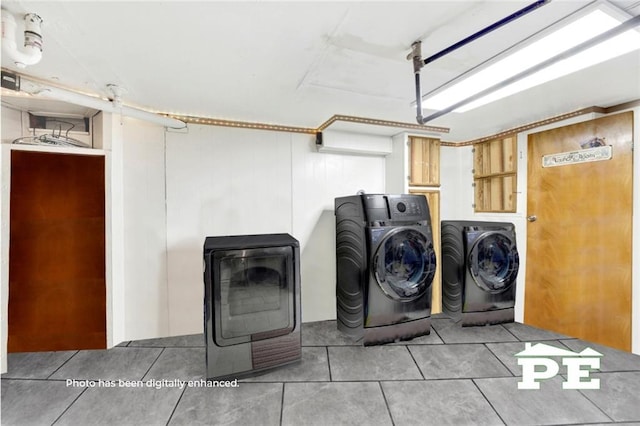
<point x="424" y="154"/>
<point x="433" y="199"/>
<point x="57" y="293"/>
<point x="495" y="175"/>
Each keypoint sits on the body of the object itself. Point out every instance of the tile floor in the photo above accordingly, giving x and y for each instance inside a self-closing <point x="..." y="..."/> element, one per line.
<point x="455" y="376"/>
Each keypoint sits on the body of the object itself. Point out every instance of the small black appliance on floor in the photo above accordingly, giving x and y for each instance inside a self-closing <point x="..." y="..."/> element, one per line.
<point x="385" y="264"/>
<point x="479" y="268"/>
<point x="251" y="303"/>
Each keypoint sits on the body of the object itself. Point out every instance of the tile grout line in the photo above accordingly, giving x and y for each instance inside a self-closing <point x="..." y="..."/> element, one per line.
<point x="70" y="405"/>
<point x="328" y="363"/>
<point x="595" y="405"/>
<point x="282" y="404"/>
<point x="61" y="365"/>
<point x="415" y="362"/>
<point x="386" y="403"/>
<point x="488" y="401"/>
<point x="509" y="331"/>
<point x="499" y="360"/>
<point x="152" y="364"/>
<point x="437" y="334"/>
<point x="175" y="407"/>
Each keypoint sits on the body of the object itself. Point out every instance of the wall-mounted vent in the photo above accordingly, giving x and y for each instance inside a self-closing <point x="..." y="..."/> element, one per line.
<point x="352" y="143"/>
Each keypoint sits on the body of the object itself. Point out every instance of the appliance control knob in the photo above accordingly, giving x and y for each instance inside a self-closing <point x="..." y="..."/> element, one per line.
<point x="402" y="207"/>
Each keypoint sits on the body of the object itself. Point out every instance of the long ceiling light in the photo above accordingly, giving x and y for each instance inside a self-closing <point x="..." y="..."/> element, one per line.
<point x="570" y="35"/>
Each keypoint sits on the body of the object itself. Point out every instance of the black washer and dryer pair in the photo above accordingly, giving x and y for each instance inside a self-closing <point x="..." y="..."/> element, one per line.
<point x="479" y="269"/>
<point x="385" y="264"/>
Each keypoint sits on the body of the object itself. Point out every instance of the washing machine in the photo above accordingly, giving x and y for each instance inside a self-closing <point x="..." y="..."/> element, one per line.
<point x="479" y="269"/>
<point x="385" y="264"/>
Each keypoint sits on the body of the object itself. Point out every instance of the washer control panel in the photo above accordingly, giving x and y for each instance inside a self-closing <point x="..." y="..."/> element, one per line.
<point x="408" y="207"/>
<point x="404" y="208"/>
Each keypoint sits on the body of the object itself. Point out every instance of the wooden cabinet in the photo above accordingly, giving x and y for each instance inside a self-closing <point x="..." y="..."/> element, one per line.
<point x="424" y="154"/>
<point x="495" y="175"/>
<point x="433" y="199"/>
<point x="414" y="167"/>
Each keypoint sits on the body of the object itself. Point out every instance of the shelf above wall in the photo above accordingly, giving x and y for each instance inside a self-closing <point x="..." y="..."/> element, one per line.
<point x="347" y="123"/>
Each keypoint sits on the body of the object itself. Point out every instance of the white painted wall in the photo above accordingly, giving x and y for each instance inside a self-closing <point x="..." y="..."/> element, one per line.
<point x="319" y="178"/>
<point x="10" y="128"/>
<point x="144" y="230"/>
<point x="225" y="181"/>
<point x="456" y="179"/>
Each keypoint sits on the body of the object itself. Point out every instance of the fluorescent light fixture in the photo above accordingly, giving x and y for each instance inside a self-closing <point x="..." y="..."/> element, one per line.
<point x="570" y="35"/>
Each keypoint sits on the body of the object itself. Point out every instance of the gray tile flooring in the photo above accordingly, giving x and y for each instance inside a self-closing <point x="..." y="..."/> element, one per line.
<point x="455" y="376"/>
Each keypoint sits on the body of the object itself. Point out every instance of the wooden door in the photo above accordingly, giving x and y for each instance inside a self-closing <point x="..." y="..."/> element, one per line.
<point x="57" y="293"/>
<point x="578" y="273"/>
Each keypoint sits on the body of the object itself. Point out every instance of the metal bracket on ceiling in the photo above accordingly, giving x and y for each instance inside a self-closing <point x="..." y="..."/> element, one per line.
<point x="116" y="93"/>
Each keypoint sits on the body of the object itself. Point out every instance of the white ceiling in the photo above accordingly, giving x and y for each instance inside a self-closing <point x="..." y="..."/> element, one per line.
<point x="298" y="63"/>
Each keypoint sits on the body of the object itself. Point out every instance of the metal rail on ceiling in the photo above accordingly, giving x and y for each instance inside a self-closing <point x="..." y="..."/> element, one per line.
<point x="625" y="26"/>
<point x="419" y="62"/>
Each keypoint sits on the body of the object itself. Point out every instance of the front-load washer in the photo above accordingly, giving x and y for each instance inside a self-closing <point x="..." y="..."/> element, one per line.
<point x="479" y="269"/>
<point x="385" y="264"/>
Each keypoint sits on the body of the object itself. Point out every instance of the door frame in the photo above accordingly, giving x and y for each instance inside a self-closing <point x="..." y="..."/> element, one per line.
<point x="521" y="221"/>
<point x="108" y="142"/>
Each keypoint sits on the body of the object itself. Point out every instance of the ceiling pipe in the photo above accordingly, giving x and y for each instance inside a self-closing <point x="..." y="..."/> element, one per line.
<point x="418" y="62"/>
<point x="504" y="21"/>
<point x="32" y="52"/>
<point x="40" y="89"/>
<point x="625" y="26"/>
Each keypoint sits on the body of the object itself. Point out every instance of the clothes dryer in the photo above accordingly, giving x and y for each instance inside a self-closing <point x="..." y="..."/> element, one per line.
<point x="479" y="269"/>
<point x="385" y="266"/>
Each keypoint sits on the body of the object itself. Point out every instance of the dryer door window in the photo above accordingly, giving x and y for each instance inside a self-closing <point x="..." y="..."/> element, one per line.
<point x="494" y="262"/>
<point x="405" y="264"/>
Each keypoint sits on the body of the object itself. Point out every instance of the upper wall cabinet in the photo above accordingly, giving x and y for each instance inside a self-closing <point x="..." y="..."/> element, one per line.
<point x="495" y="175"/>
<point x="424" y="157"/>
<point x="413" y="163"/>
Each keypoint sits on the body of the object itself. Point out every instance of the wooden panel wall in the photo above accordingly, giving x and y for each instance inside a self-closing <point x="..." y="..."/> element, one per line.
<point x="425" y="161"/>
<point x="494" y="173"/>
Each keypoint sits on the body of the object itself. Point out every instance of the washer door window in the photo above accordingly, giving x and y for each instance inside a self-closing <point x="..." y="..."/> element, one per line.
<point x="253" y="294"/>
<point x="494" y="262"/>
<point x="405" y="264"/>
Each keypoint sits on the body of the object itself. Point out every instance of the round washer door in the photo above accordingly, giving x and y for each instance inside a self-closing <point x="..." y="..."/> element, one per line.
<point x="405" y="264"/>
<point x="493" y="262"/>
